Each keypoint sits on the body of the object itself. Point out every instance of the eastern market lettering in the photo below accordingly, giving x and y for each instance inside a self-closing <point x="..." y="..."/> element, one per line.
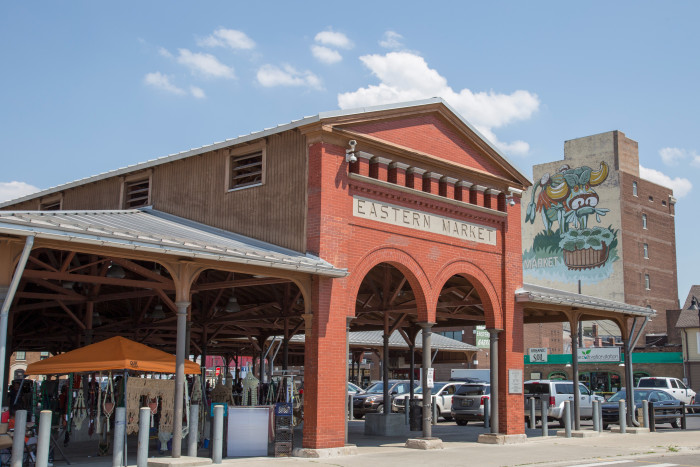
<point x="397" y="215"/>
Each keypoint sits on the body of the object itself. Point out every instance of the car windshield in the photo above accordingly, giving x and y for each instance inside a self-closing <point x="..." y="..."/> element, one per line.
<point x="376" y="388"/>
<point x="472" y="390"/>
<point x="652" y="383"/>
<point x="639" y="395"/>
<point x="436" y="388"/>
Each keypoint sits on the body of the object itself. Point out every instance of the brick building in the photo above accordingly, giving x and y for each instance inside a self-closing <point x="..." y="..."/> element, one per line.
<point x="392" y="218"/>
<point x="632" y="218"/>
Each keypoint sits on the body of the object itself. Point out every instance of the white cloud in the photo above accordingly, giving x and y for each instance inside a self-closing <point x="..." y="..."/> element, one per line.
<point x="161" y="81"/>
<point x="671" y="156"/>
<point x="13" y="190"/>
<point x="391" y="40"/>
<point x="231" y="38"/>
<point x="162" y="51"/>
<point x="334" y="39"/>
<point x="205" y="64"/>
<point x="405" y="76"/>
<point x="271" y="75"/>
<point x="197" y="92"/>
<point x="680" y="186"/>
<point x="326" y="55"/>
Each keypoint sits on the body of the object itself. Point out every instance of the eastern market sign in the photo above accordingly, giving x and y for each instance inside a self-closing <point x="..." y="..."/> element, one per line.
<point x="420" y="220"/>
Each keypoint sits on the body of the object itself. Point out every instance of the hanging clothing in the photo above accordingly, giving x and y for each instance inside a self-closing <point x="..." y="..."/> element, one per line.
<point x="250" y="389"/>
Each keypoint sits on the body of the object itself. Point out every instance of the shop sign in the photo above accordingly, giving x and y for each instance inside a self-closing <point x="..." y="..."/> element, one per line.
<point x="420" y="220"/>
<point x="483" y="339"/>
<point x="538" y="355"/>
<point x="599" y="354"/>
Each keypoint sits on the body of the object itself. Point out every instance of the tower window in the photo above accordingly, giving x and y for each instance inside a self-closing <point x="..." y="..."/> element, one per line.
<point x="634" y="188"/>
<point x="644" y="221"/>
<point x="646" y="251"/>
<point x="647" y="282"/>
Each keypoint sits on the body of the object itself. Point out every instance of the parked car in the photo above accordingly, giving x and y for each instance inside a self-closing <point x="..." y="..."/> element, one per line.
<point x="611" y="409"/>
<point x="442" y="392"/>
<point x="372" y="400"/>
<point x="557" y="392"/>
<point x="673" y="386"/>
<point x="354" y="389"/>
<point x="469" y="402"/>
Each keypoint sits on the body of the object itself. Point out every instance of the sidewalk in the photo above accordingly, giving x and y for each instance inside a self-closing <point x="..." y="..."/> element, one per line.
<point x="549" y="451"/>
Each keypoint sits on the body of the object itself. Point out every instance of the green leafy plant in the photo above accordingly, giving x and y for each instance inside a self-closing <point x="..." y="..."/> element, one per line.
<point x="594" y="238"/>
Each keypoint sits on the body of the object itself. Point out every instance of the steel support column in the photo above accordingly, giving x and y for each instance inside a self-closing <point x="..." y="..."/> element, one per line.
<point x="574" y="368"/>
<point x="179" y="376"/>
<point x="427" y="393"/>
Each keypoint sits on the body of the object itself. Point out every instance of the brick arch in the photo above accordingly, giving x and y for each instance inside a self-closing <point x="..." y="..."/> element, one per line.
<point x="487" y="292"/>
<point x="404" y="262"/>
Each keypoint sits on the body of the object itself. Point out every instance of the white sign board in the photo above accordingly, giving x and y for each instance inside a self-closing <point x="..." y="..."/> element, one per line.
<point x="515" y="381"/>
<point x="599" y="354"/>
<point x="431" y="372"/>
<point x="423" y="221"/>
<point x="538" y="355"/>
<point x="483" y="338"/>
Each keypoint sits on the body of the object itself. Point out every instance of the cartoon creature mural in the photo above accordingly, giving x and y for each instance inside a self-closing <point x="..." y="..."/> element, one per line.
<point x="567" y="197"/>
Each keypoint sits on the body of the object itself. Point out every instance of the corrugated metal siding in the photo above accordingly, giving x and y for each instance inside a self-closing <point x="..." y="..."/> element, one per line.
<point x="195" y="188"/>
<point x="101" y="195"/>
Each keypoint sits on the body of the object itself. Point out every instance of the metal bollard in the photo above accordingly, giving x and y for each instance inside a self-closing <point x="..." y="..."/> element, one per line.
<point x="351" y="410"/>
<point x="434" y="411"/>
<point x="600" y="416"/>
<point x="623" y="416"/>
<point x="193" y="436"/>
<point x="119" y="430"/>
<point x="652" y="417"/>
<point x="684" y="424"/>
<point x="18" y="438"/>
<point x="487" y="414"/>
<point x="405" y="410"/>
<point x="218" y="434"/>
<point x="544" y="411"/>
<point x="533" y="411"/>
<point x="42" y="446"/>
<point x="645" y="413"/>
<point x="596" y="416"/>
<point x="567" y="418"/>
<point x="144" y="431"/>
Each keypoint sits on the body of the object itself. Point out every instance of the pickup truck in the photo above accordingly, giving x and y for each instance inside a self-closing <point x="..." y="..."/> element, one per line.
<point x="673" y="386"/>
<point x="556" y="392"/>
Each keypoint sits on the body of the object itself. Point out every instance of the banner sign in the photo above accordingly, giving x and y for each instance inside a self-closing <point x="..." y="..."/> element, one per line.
<point x="599" y="354"/>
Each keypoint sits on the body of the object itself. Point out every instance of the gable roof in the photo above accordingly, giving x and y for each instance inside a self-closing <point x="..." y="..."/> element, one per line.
<point x="268" y="132"/>
<point x="689" y="318"/>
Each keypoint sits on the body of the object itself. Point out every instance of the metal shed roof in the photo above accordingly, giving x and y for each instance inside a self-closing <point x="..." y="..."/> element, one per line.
<point x="157" y="232"/>
<point x="257" y="135"/>
<point x="376" y="339"/>
<point x="544" y="295"/>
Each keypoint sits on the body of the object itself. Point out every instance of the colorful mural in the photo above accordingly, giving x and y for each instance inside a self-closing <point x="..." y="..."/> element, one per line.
<point x="570" y="246"/>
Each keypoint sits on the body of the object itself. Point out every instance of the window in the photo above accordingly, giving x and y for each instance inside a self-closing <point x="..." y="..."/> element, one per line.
<point x="663" y="203"/>
<point x="20" y="355"/>
<point x="634" y="188"/>
<point x="53" y="205"/>
<point x="246" y="167"/>
<point x="456" y="335"/>
<point x="558" y="375"/>
<point x="44" y="355"/>
<point x="651" y="199"/>
<point x="136" y="194"/>
<point x="647" y="284"/>
<point x="644" y="221"/>
<point x="646" y="251"/>
<point x="674" y="385"/>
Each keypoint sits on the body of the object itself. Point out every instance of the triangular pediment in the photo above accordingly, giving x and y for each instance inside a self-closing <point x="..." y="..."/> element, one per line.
<point x="433" y="130"/>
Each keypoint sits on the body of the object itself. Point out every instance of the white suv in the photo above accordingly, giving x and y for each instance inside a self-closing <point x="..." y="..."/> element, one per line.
<point x="557" y="392"/>
<point x="673" y="386"/>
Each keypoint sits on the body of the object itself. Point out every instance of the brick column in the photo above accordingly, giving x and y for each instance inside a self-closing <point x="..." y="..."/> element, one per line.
<point x="414" y="178"/>
<point x="397" y="173"/>
<point x="378" y="168"/>
<point x="447" y="187"/>
<point x="431" y="182"/>
<point x="477" y="195"/>
<point x="462" y="190"/>
<point x="491" y="198"/>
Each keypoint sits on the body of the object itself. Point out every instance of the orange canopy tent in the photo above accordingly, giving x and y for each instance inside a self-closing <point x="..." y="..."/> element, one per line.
<point x="116" y="353"/>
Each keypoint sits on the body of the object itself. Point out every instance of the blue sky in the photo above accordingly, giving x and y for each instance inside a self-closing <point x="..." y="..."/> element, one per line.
<point x="92" y="86"/>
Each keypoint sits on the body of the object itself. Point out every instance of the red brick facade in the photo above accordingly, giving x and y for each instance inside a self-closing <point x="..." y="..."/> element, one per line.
<point x="426" y="259"/>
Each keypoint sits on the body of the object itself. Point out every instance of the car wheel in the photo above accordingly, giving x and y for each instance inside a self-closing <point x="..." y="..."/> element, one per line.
<point x="462" y="422"/>
<point x="447" y="418"/>
<point x="358" y="416"/>
<point x="562" y="422"/>
<point x="605" y="426"/>
<point x="676" y="423"/>
<point x="380" y="408"/>
<point x="692" y="402"/>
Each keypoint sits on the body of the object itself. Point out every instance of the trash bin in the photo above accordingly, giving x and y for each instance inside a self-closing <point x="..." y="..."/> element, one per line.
<point x="415" y="419"/>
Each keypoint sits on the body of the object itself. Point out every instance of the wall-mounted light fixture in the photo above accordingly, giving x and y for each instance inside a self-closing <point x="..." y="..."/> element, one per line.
<point x="350" y="153"/>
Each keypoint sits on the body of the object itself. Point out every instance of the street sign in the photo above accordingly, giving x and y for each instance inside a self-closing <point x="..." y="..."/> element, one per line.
<point x="431" y="372"/>
<point x="538" y="354"/>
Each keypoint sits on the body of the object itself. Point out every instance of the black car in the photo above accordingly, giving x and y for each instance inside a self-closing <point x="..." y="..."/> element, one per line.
<point x="372" y="400"/>
<point x="611" y="409"/>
